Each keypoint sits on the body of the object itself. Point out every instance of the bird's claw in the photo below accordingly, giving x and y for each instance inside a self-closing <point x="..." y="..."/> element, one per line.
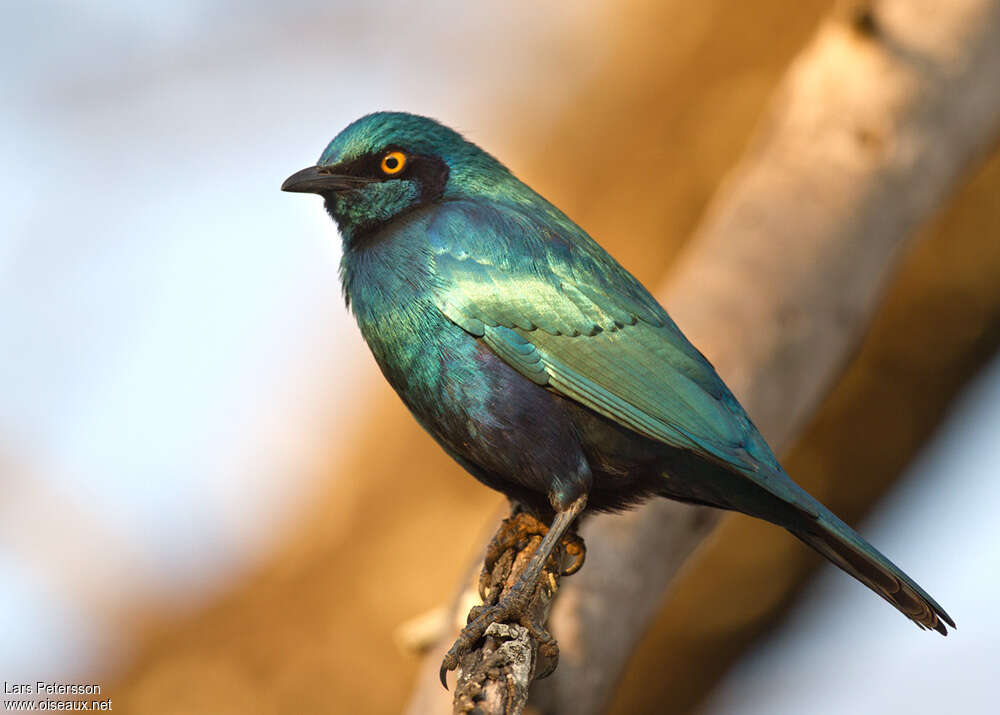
<point x="445" y="667"/>
<point x="509" y="609"/>
<point x="548" y="648"/>
<point x="575" y="548"/>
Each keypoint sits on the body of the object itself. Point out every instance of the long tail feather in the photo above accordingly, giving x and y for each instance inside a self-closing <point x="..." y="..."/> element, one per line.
<point x="844" y="547"/>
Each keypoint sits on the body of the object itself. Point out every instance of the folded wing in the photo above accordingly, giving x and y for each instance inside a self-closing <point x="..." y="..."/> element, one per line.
<point x="560" y="310"/>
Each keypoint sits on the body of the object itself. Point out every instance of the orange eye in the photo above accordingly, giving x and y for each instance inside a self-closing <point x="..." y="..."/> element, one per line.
<point x="393" y="163"/>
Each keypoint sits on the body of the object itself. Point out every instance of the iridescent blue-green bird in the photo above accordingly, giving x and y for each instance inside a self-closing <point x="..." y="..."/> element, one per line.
<point x="538" y="362"/>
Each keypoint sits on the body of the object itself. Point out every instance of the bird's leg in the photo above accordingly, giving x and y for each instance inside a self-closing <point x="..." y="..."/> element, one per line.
<point x="513" y="606"/>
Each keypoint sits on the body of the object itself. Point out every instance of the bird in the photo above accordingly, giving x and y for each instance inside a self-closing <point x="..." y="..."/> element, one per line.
<point x="539" y="363"/>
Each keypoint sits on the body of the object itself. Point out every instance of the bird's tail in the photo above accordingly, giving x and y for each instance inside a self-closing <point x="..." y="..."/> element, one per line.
<point x="844" y="547"/>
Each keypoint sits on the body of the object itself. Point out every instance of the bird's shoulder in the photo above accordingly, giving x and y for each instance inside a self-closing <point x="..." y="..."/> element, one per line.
<point x="529" y="266"/>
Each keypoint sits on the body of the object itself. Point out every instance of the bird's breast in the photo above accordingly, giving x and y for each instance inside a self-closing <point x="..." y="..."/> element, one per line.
<point x="421" y="353"/>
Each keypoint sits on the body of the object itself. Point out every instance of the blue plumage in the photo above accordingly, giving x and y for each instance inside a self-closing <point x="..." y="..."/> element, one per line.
<point x="536" y="360"/>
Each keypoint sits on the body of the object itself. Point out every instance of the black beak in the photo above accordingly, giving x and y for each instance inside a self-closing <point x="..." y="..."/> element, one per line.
<point x="322" y="180"/>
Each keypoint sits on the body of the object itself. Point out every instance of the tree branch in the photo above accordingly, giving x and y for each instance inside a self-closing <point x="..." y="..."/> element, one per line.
<point x="871" y="128"/>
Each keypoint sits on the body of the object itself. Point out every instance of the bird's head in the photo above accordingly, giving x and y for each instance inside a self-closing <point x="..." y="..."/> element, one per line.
<point x="388" y="163"/>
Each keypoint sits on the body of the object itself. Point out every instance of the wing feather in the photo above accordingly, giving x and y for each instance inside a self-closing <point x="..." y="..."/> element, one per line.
<point x="556" y="307"/>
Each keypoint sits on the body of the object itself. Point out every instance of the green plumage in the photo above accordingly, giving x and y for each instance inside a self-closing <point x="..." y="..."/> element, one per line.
<point x="536" y="360"/>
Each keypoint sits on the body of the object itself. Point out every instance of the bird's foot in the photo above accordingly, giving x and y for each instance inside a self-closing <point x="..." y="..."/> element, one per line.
<point x="521" y="603"/>
<point x="513" y="608"/>
<point x="513" y="536"/>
